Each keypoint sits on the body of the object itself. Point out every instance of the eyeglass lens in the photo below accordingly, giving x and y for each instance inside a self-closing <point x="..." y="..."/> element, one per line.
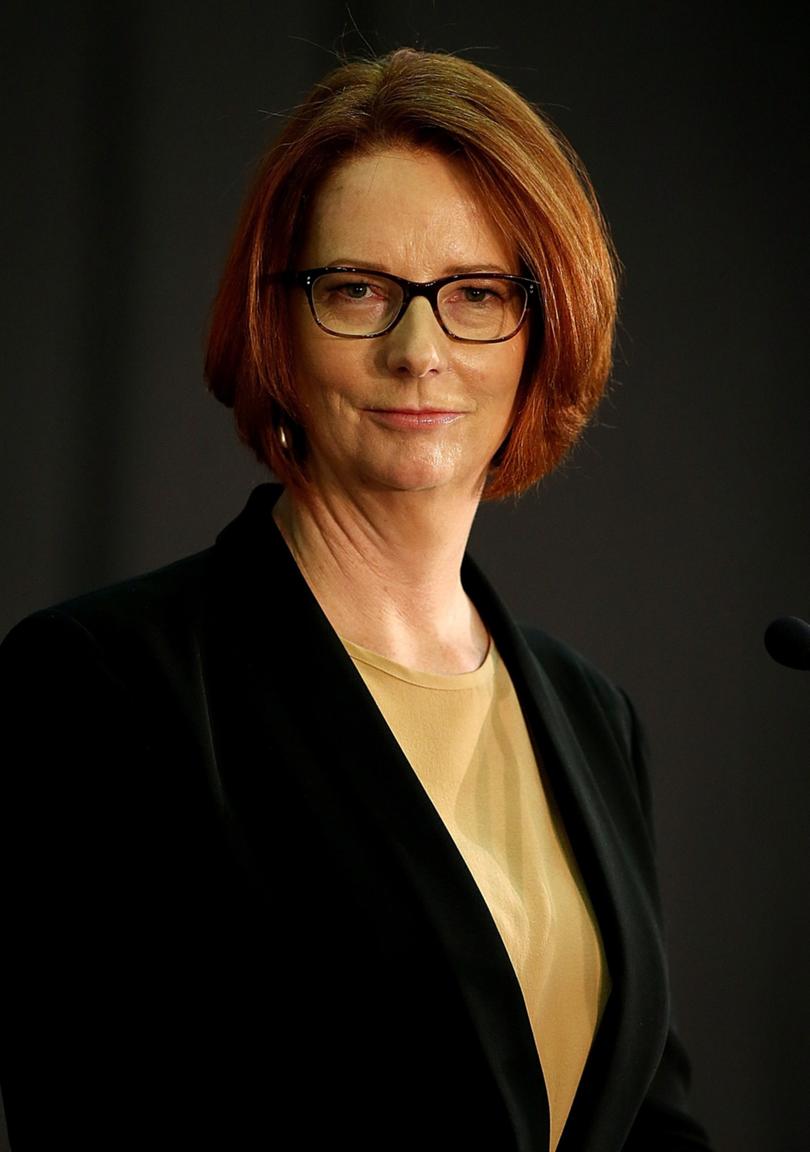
<point x="478" y="308"/>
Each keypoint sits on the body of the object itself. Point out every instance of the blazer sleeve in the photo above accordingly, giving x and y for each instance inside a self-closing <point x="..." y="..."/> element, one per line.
<point x="73" y="746"/>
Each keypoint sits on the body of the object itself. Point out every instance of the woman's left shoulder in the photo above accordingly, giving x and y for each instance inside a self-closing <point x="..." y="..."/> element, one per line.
<point x="574" y="674"/>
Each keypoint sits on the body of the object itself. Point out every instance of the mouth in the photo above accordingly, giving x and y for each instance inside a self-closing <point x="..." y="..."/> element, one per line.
<point x="414" y="417"/>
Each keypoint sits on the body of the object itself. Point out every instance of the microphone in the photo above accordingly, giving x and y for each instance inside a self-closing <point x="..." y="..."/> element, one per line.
<point x="788" y="641"/>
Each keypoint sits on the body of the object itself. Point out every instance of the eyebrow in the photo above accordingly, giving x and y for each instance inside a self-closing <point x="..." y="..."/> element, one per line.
<point x="450" y="270"/>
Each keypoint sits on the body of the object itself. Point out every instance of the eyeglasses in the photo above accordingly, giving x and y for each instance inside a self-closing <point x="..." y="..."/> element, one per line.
<point x="478" y="308"/>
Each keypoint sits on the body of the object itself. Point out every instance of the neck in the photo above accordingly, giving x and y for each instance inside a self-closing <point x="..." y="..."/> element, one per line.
<point x="386" y="570"/>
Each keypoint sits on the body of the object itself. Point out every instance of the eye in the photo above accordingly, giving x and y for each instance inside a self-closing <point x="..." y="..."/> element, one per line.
<point x="355" y="290"/>
<point x="340" y="289"/>
<point x="475" y="295"/>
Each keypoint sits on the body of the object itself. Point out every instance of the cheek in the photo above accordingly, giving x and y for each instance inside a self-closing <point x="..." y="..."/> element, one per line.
<point x="335" y="371"/>
<point x="329" y="383"/>
<point x="519" y="357"/>
<point x="503" y="374"/>
<point x="320" y="361"/>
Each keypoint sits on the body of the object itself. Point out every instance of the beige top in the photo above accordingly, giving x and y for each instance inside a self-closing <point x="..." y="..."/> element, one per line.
<point x="466" y="739"/>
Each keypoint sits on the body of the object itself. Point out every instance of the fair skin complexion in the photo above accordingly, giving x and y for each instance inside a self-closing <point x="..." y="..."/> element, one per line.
<point x="401" y="428"/>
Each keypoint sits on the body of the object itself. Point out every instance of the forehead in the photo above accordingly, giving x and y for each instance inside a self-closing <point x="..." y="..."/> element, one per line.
<point x="414" y="213"/>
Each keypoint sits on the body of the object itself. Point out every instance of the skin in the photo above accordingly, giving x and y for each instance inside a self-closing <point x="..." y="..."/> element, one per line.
<point x="401" y="428"/>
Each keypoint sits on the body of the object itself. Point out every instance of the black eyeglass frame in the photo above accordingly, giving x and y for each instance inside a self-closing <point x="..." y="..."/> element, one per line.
<point x="410" y="290"/>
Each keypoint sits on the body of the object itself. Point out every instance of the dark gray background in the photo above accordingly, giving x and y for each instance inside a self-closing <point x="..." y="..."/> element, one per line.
<point x="676" y="532"/>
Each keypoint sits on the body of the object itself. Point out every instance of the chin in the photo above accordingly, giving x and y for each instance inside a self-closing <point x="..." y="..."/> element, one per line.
<point x="432" y="470"/>
<point x="425" y="479"/>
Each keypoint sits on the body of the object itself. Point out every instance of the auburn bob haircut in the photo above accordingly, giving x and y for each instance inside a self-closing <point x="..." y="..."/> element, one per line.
<point x="535" y="190"/>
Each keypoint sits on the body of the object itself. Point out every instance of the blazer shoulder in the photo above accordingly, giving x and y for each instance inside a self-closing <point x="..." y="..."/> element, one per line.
<point x="150" y="596"/>
<point x="569" y="668"/>
<point x="587" y="695"/>
<point x="581" y="685"/>
<point x="130" y="626"/>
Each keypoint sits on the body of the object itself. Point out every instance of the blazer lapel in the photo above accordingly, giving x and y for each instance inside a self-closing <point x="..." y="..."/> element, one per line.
<point x="615" y="866"/>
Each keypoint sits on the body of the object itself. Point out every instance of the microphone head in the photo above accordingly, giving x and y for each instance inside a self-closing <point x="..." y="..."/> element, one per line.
<point x="788" y="641"/>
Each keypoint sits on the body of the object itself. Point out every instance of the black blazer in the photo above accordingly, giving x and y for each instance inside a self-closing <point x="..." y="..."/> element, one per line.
<point x="233" y="913"/>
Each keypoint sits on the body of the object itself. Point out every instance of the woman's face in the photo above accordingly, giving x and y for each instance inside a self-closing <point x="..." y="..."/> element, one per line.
<point x="411" y="410"/>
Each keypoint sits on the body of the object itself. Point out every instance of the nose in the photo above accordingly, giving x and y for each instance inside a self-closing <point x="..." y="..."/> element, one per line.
<point x="415" y="347"/>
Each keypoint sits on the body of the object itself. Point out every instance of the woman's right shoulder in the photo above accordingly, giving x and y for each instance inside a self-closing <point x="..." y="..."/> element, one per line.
<point x="122" y="615"/>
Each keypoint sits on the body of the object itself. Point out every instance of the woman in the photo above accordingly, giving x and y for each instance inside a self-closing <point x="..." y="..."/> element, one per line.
<point x="311" y="843"/>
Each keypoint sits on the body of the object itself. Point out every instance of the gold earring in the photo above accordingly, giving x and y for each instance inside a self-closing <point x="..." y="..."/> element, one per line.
<point x="282" y="438"/>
